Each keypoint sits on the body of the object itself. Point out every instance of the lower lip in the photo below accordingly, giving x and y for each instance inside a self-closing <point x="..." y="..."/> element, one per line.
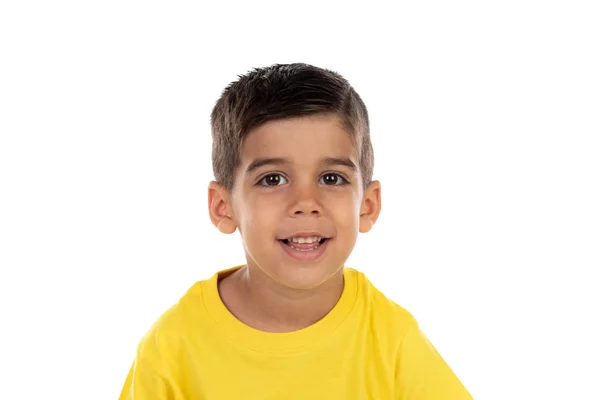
<point x="305" y="255"/>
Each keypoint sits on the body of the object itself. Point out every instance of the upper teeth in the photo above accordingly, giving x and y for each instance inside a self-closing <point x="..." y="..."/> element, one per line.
<point x="311" y="239"/>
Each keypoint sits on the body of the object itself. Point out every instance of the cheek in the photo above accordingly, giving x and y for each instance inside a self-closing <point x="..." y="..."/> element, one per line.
<point x="346" y="210"/>
<point x="260" y="215"/>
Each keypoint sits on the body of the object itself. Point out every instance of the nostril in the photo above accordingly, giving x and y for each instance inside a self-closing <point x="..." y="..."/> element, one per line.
<point x="302" y="212"/>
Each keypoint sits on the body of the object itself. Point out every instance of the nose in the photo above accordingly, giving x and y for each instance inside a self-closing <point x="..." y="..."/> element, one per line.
<point x="305" y="201"/>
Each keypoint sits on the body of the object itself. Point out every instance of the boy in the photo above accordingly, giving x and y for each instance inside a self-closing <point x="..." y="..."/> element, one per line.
<point x="293" y="163"/>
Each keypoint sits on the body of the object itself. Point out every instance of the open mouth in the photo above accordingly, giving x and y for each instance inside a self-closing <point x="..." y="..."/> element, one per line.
<point x="305" y="248"/>
<point x="305" y="245"/>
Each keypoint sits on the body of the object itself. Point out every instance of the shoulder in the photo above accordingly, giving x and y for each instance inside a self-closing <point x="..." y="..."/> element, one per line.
<point x="383" y="311"/>
<point x="168" y="334"/>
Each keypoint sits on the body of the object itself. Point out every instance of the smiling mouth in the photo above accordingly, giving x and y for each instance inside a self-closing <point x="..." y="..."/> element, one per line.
<point x="304" y="245"/>
<point x="305" y="249"/>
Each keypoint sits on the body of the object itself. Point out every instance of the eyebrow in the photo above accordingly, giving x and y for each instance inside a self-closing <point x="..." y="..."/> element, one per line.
<point x="329" y="161"/>
<point x="346" y="162"/>
<point x="261" y="162"/>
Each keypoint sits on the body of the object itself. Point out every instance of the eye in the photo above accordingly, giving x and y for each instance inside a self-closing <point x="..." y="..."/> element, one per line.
<point x="333" y="179"/>
<point x="272" y="180"/>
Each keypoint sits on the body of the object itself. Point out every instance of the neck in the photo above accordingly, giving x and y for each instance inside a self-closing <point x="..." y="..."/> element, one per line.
<point x="273" y="307"/>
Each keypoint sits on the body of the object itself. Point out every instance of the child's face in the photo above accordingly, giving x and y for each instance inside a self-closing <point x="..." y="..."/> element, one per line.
<point x="300" y="178"/>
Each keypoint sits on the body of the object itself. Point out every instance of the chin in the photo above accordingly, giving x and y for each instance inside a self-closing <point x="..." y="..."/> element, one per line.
<point x="297" y="272"/>
<point x="303" y="276"/>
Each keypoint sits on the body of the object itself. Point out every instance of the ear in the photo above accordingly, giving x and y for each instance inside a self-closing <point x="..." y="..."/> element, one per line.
<point x="219" y="208"/>
<point x="370" y="207"/>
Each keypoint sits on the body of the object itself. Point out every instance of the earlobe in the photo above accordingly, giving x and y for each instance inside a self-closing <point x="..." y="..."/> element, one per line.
<point x="219" y="208"/>
<point x="370" y="207"/>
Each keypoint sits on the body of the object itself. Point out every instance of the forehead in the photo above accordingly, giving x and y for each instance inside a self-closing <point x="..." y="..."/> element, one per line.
<point x="302" y="140"/>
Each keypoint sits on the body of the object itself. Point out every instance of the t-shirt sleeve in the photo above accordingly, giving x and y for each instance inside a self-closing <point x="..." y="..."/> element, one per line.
<point x="422" y="374"/>
<point x="143" y="383"/>
<point x="148" y="377"/>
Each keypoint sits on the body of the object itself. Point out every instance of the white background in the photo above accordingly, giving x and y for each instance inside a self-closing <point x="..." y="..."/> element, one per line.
<point x="485" y="123"/>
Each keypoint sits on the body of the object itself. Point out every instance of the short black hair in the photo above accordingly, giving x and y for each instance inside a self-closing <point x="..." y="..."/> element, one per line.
<point x="284" y="91"/>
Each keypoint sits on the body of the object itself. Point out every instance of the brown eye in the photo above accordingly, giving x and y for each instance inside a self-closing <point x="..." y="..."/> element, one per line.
<point x="333" y="179"/>
<point x="272" y="180"/>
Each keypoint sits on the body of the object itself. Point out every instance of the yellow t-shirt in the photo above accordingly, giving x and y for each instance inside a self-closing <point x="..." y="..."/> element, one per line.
<point x="367" y="347"/>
